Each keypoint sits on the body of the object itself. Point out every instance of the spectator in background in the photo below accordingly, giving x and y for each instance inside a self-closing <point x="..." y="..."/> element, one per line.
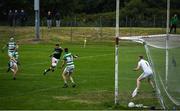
<point x="10" y="18"/>
<point x="57" y="17"/>
<point x="22" y="17"/>
<point x="49" y="20"/>
<point x="15" y="18"/>
<point x="173" y="22"/>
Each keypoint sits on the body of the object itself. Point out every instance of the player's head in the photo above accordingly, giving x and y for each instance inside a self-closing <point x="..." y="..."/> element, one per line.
<point x="66" y="50"/>
<point x="57" y="45"/>
<point x="11" y="39"/>
<point x="141" y="57"/>
<point x="49" y="12"/>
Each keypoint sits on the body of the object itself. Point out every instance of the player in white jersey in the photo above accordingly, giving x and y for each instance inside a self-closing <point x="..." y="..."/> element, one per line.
<point x="147" y="73"/>
<point x="68" y="70"/>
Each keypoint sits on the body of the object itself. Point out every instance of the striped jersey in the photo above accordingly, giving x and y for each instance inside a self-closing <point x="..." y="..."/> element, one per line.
<point x="11" y="46"/>
<point x="15" y="55"/>
<point x="68" y="58"/>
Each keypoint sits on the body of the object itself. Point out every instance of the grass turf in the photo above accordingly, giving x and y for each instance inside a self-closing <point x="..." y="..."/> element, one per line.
<point x="94" y="75"/>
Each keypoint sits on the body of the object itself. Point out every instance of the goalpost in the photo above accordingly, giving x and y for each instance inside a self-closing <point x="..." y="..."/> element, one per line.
<point x="163" y="53"/>
<point x="116" y="98"/>
<point x="167" y="38"/>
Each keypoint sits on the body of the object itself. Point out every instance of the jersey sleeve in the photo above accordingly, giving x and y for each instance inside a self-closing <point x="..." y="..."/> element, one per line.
<point x="64" y="57"/>
<point x="139" y="64"/>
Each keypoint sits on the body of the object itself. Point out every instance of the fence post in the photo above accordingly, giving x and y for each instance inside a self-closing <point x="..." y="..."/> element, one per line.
<point x="154" y="21"/>
<point x="126" y="21"/>
<point x="100" y="20"/>
<point x="71" y="33"/>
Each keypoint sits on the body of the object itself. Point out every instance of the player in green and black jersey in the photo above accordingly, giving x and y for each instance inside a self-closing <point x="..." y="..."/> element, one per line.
<point x="55" y="57"/>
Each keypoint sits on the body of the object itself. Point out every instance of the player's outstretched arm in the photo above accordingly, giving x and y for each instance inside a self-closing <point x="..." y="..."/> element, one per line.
<point x="63" y="64"/>
<point x="75" y="56"/>
<point x="3" y="48"/>
<point x="137" y="68"/>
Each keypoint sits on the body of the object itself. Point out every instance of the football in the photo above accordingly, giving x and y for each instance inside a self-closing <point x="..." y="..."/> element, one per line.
<point x="131" y="104"/>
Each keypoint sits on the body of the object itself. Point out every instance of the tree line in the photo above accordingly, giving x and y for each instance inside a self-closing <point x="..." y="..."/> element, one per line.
<point x="133" y="9"/>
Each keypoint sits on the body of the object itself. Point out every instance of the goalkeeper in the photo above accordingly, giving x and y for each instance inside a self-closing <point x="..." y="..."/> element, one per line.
<point x="147" y="73"/>
<point x="174" y="21"/>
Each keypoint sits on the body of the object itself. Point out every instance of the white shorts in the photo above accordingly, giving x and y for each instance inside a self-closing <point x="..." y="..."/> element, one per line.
<point x="143" y="76"/>
<point x="54" y="61"/>
<point x="13" y="64"/>
<point x="69" y="69"/>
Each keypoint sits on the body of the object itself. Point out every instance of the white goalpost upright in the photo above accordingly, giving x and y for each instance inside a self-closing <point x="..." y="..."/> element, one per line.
<point x="116" y="97"/>
<point x="167" y="38"/>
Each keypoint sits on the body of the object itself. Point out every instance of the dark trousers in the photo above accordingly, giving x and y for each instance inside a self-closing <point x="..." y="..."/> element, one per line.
<point x="173" y="26"/>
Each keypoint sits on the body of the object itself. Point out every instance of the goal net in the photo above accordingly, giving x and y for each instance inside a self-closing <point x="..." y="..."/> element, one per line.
<point x="163" y="52"/>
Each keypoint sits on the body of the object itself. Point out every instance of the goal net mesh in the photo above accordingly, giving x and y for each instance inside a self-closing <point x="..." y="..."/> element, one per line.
<point x="164" y="55"/>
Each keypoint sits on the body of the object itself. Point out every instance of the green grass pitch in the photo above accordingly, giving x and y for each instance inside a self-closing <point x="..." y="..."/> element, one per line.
<point x="94" y="75"/>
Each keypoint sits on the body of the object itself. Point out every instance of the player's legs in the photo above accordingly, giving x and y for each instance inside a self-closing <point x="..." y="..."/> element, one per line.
<point x="171" y="27"/>
<point x="54" y="62"/>
<point x="150" y="81"/>
<point x="138" y="83"/>
<point x="10" y="55"/>
<point x="139" y="79"/>
<point x="64" y="76"/>
<point x="72" y="81"/>
<point x="9" y="67"/>
<point x="71" y="78"/>
<point x="174" y="28"/>
<point x="67" y="74"/>
<point x="14" y="69"/>
<point x="71" y="70"/>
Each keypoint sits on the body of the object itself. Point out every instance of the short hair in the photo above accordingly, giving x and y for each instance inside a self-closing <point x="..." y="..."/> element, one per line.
<point x="11" y="39"/>
<point x="57" y="44"/>
<point x="141" y="57"/>
<point x="65" y="49"/>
